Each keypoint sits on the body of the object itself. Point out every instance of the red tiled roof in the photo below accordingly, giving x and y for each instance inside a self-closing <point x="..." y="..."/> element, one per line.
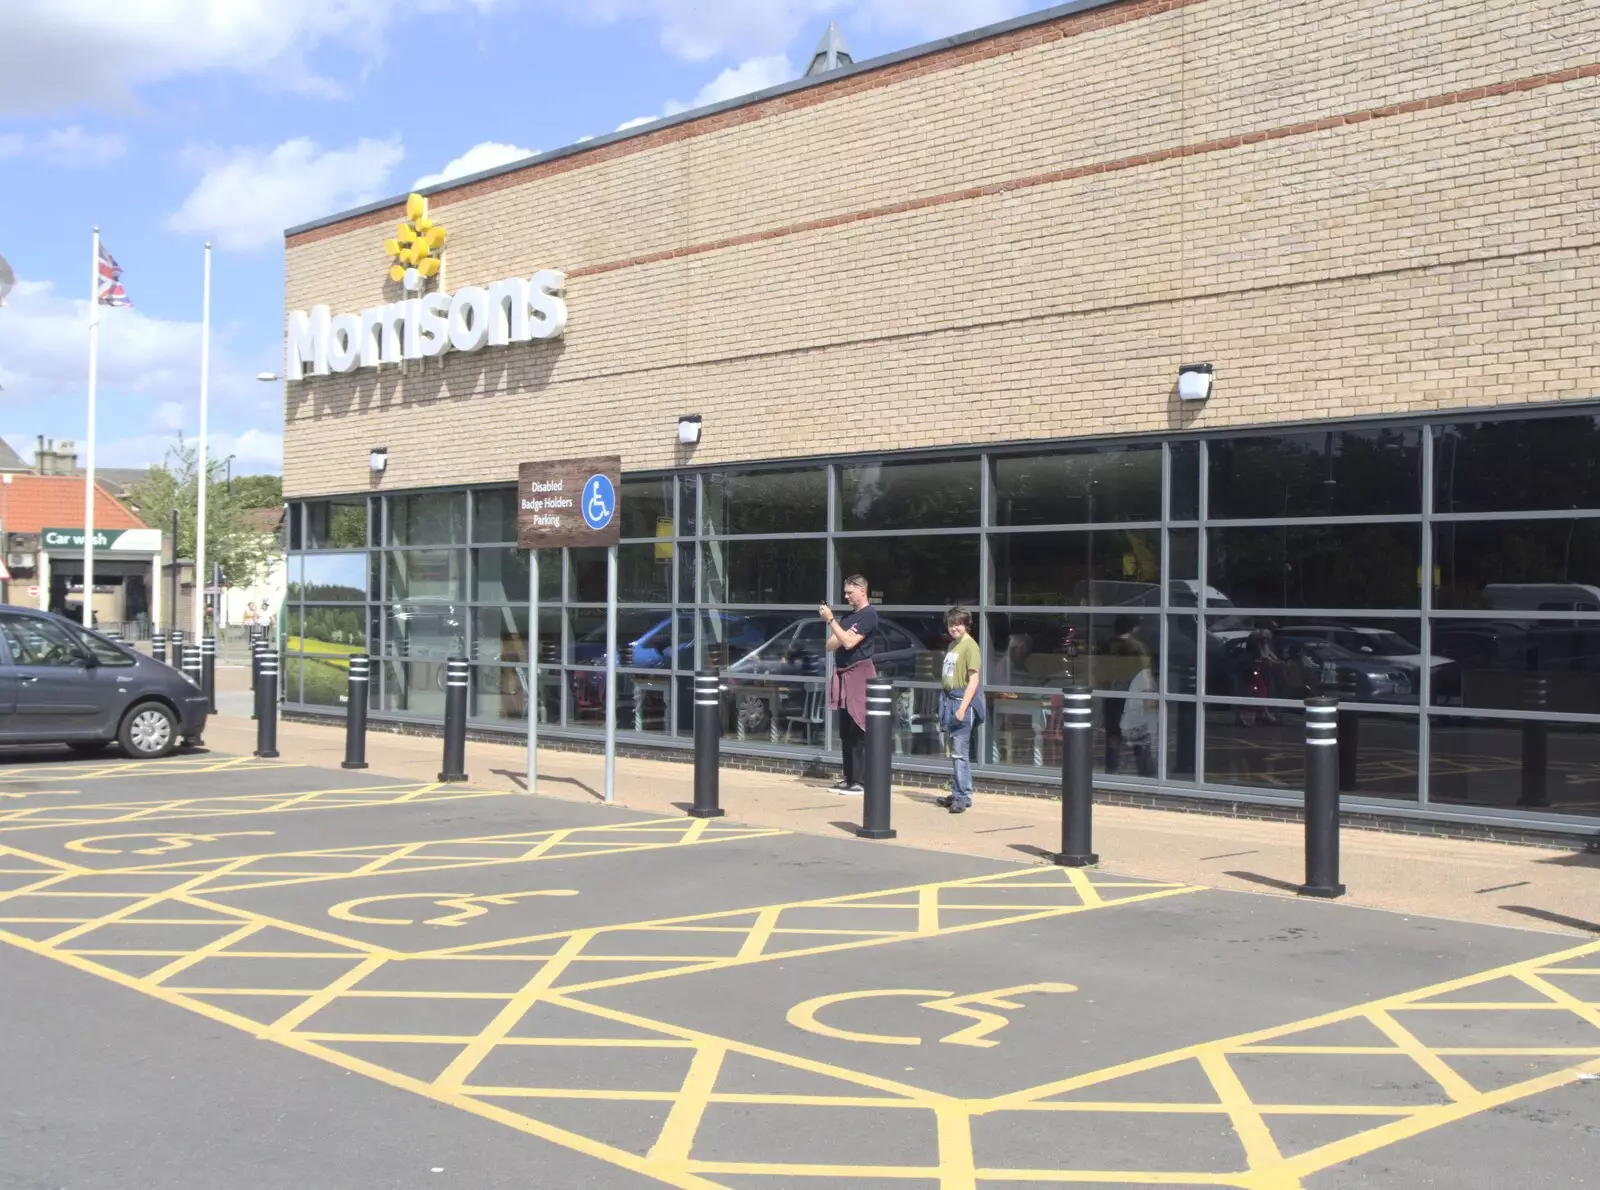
<point x="264" y="520"/>
<point x="36" y="502"/>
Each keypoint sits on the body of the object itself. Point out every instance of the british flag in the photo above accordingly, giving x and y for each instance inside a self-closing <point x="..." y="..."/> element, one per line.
<point x="109" y="291"/>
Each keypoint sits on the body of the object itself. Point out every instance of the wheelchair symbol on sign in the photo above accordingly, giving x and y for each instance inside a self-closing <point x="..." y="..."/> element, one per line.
<point x="804" y="1015"/>
<point x="599" y="501"/>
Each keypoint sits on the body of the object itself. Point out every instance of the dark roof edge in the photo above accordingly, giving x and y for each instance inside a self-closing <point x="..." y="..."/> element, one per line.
<point x="800" y="84"/>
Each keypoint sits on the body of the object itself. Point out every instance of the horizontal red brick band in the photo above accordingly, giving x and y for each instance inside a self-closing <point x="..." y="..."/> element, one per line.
<point x="1071" y="25"/>
<point x="1222" y="144"/>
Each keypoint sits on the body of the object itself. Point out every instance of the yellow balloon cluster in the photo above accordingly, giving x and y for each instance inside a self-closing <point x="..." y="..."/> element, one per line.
<point x="416" y="243"/>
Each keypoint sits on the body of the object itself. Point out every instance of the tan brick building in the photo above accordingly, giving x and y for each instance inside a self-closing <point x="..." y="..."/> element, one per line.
<point x="952" y="290"/>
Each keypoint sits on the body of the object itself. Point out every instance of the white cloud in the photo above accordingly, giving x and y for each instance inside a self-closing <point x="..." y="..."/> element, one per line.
<point x="246" y="198"/>
<point x="70" y="146"/>
<point x="485" y="155"/>
<point x="753" y="74"/>
<point x="254" y="451"/>
<point x="58" y="53"/>
<point x="636" y="122"/>
<point x="149" y="380"/>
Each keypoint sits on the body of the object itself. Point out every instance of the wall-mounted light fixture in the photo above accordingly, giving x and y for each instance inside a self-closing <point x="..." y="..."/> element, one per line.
<point x="1194" y="381"/>
<point x="689" y="429"/>
<point x="378" y="459"/>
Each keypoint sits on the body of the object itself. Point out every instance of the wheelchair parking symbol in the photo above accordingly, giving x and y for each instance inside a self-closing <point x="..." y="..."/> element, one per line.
<point x="599" y="501"/>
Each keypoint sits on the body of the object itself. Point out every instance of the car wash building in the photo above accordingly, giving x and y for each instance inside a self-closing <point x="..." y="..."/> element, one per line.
<point x="1217" y="354"/>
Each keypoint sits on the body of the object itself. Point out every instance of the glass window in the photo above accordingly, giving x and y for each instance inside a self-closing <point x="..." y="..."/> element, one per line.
<point x="646" y="507"/>
<point x="1324" y="473"/>
<point x="766" y="501"/>
<point x="1185" y="504"/>
<point x="1095" y="567"/>
<point x="337" y="524"/>
<point x="644" y="637"/>
<point x="414" y="687"/>
<point x="1517" y="665"/>
<point x="336" y="631"/>
<point x="1183" y="561"/>
<point x="428" y="518"/>
<point x="586" y="574"/>
<point x="1264" y="747"/>
<point x="643" y="575"/>
<point x="1512" y="466"/>
<point x="340" y="578"/>
<point x="1346" y="566"/>
<point x="1115" y="483"/>
<point x="41" y="642"/>
<point x="432" y="630"/>
<point x="687" y="552"/>
<point x="942" y="495"/>
<point x="798" y="649"/>
<point x="501" y="576"/>
<point x="727" y="637"/>
<point x="765" y="571"/>
<point x="1353" y="660"/>
<point x="1518" y="566"/>
<point x="1505" y="764"/>
<point x="688" y="498"/>
<point x="1024" y="731"/>
<point x="296" y="538"/>
<point x="494" y="514"/>
<point x="926" y="570"/>
<point x="104" y="651"/>
<point x="502" y="634"/>
<point x="1105" y="651"/>
<point x="427" y="574"/>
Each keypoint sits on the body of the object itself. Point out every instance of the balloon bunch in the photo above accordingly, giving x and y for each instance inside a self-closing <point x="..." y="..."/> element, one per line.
<point x="416" y="244"/>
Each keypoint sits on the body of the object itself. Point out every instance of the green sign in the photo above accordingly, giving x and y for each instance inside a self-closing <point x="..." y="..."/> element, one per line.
<point x="143" y="541"/>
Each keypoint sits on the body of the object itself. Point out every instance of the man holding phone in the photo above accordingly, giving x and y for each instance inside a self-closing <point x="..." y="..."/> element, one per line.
<point x="850" y="641"/>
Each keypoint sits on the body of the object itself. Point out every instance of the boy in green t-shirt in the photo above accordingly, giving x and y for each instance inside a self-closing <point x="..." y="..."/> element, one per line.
<point x="958" y="708"/>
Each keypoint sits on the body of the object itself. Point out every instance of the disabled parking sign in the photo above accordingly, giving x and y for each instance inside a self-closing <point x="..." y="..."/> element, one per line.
<point x="568" y="502"/>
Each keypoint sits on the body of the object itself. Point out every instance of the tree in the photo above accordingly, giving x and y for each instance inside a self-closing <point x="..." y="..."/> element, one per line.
<point x="258" y="491"/>
<point x="243" y="552"/>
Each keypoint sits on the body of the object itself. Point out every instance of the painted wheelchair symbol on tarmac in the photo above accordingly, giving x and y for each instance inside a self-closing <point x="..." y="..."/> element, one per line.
<point x="466" y="906"/>
<point x="166" y="842"/>
<point x="599" y="501"/>
<point x="804" y="1015"/>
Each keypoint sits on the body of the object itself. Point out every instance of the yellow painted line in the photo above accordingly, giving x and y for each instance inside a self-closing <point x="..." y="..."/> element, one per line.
<point x="202" y="953"/>
<point x="1436" y="1068"/>
<point x="354" y="944"/>
<point x="1252" y="1131"/>
<point x="957" y="1166"/>
<point x="286" y="1024"/>
<point x="1162" y="1108"/>
<point x="127" y="911"/>
<point x="683" y="1121"/>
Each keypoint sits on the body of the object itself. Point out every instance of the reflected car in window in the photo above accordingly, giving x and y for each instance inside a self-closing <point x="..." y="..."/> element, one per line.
<point x="1299" y="667"/>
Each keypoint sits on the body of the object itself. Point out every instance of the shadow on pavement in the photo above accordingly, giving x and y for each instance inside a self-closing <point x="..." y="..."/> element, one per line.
<point x="1269" y="881"/>
<point x="1558" y="919"/>
<point x="1033" y="850"/>
<point x="520" y="780"/>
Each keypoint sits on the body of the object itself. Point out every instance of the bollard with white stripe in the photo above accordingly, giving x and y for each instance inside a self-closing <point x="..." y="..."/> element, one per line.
<point x="208" y="671"/>
<point x="355" y="723"/>
<point x="456" y="676"/>
<point x="1077" y="779"/>
<point x="158" y="647"/>
<point x="1322" y="799"/>
<point x="880" y="747"/>
<point x="267" y="707"/>
<point x="707" y="744"/>
<point x="193" y="668"/>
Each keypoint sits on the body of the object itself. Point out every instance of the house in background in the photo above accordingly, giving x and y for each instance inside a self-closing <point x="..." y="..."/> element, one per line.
<point x="268" y="592"/>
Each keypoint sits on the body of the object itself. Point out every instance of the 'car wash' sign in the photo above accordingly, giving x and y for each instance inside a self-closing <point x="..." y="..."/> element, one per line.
<point x="137" y="541"/>
<point x="569" y="502"/>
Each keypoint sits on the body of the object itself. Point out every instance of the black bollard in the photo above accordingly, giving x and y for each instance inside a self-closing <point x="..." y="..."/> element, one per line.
<point x="175" y="643"/>
<point x="880" y="747"/>
<point x="1535" y="744"/>
<point x="193" y="668"/>
<point x="355" y="722"/>
<point x="267" y="707"/>
<point x="455" y="720"/>
<point x="208" y="671"/>
<point x="1322" y="799"/>
<point x="1349" y="732"/>
<point x="1077" y="779"/>
<point x="707" y="743"/>
<point x="158" y="647"/>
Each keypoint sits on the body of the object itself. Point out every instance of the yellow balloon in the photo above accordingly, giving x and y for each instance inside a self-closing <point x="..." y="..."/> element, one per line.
<point x="405" y="233"/>
<point x="424" y="223"/>
<point x="429" y="267"/>
<point x="416" y="207"/>
<point x="396" y="273"/>
<point x="436" y="238"/>
<point x="391" y="247"/>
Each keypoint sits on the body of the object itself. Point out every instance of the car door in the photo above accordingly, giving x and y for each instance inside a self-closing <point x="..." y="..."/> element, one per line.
<point x="8" y="692"/>
<point x="57" y="695"/>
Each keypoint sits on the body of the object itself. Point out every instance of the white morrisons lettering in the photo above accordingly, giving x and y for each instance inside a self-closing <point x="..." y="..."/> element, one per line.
<point x="506" y="312"/>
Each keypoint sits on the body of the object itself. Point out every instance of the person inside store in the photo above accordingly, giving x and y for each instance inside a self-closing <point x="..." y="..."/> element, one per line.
<point x="850" y="642"/>
<point x="1124" y="643"/>
<point x="958" y="706"/>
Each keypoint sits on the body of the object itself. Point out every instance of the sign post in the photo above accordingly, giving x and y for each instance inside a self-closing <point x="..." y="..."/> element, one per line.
<point x="560" y="503"/>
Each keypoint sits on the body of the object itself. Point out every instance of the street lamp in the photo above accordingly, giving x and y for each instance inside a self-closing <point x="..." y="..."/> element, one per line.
<point x="268" y="377"/>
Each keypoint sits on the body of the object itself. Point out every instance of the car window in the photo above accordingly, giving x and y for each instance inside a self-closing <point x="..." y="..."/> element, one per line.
<point x="40" y="642"/>
<point x="105" y="652"/>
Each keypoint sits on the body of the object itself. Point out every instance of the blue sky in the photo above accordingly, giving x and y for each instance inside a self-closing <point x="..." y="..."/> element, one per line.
<point x="168" y="122"/>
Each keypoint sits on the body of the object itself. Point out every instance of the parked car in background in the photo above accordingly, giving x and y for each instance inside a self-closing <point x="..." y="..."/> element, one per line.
<point x="61" y="684"/>
<point x="1298" y="667"/>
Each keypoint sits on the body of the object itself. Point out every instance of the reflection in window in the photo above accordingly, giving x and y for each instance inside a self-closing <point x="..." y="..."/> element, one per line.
<point x="778" y="501"/>
<point x="1185" y="486"/>
<point x="765" y="571"/>
<point x="335" y="577"/>
<point x="643" y="574"/>
<point x="728" y="637"/>
<point x="1518" y="566"/>
<point x="1372" y="661"/>
<point x="428" y="518"/>
<point x="1518" y="665"/>
<point x="1116" y="483"/>
<point x="502" y="634"/>
<point x="1322" y="473"/>
<point x="1090" y="568"/>
<point x="1505" y="764"/>
<point x="427" y="574"/>
<point x="646" y="507"/>
<point x="1353" y="566"/>
<point x="1042" y="649"/>
<point x="1511" y="466"/>
<point x="337" y="524"/>
<point x="494" y="514"/>
<point x="925" y="570"/>
<point x="644" y="637"/>
<point x="428" y="629"/>
<point x="942" y="495"/>
<point x="586" y="575"/>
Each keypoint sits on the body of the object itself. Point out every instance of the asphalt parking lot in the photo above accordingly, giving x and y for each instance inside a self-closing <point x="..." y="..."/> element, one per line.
<point x="218" y="971"/>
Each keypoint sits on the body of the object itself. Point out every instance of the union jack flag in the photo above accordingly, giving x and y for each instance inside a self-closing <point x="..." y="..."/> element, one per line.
<point x="109" y="291"/>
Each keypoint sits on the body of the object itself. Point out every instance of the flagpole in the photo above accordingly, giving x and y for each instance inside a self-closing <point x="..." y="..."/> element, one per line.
<point x="88" y="487"/>
<point x="200" y="506"/>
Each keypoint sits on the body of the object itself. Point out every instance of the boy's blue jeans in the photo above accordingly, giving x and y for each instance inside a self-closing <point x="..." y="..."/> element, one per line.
<point x="959" y="736"/>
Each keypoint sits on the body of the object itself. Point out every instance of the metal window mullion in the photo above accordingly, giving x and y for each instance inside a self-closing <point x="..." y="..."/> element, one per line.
<point x="1202" y="623"/>
<point x="1425" y="636"/>
<point x="830" y="570"/>
<point x="987" y="746"/>
<point x="1164" y="661"/>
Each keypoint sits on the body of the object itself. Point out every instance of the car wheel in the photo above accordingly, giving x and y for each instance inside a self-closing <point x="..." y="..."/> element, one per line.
<point x="148" y="731"/>
<point x="754" y="714"/>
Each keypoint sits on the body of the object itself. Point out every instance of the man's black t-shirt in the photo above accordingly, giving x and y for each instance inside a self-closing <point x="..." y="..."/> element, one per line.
<point x="865" y="622"/>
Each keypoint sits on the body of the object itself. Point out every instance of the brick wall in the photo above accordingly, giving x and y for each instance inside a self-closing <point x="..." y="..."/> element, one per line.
<point x="1349" y="206"/>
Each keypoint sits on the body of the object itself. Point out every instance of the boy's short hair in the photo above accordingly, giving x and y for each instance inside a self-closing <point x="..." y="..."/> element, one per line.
<point x="958" y="615"/>
<point x="856" y="580"/>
